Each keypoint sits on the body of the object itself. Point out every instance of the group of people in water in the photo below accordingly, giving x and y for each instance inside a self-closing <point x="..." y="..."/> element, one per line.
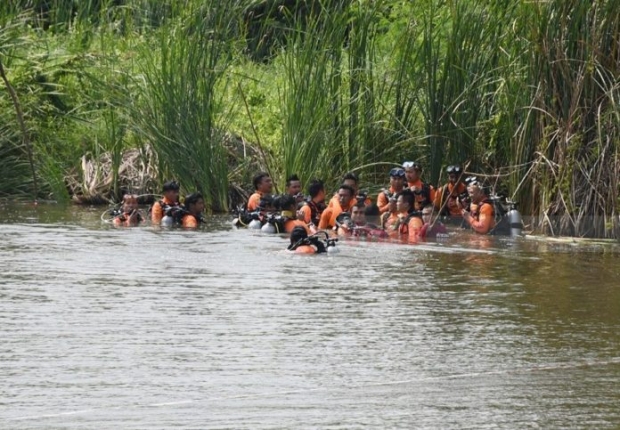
<point x="168" y="211"/>
<point x="408" y="210"/>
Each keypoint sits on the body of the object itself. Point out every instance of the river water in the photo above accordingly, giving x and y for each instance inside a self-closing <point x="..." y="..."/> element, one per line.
<point x="221" y="328"/>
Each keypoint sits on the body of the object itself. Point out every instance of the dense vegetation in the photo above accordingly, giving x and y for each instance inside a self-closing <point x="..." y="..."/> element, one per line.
<point x="120" y="94"/>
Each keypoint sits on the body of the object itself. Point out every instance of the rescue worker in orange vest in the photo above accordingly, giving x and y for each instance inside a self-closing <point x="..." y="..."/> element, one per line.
<point x="130" y="215"/>
<point x="481" y="217"/>
<point x="410" y="221"/>
<point x="390" y="219"/>
<point x="194" y="207"/>
<point x="446" y="197"/>
<point x="346" y="200"/>
<point x="299" y="243"/>
<point x="352" y="180"/>
<point x="288" y="210"/>
<point x="293" y="188"/>
<point x="263" y="186"/>
<point x="170" y="200"/>
<point x="311" y="211"/>
<point x="397" y="184"/>
<point x="424" y="193"/>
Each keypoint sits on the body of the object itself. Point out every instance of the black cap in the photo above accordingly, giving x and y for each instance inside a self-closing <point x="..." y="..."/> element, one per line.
<point x="171" y="186"/>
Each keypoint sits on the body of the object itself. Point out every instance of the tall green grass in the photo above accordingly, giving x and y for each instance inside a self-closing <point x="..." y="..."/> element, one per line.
<point x="332" y="98"/>
<point x="179" y="110"/>
<point x="569" y="129"/>
<point x="310" y="96"/>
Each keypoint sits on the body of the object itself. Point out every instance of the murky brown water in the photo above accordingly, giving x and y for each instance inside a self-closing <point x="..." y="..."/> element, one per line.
<point x="136" y="328"/>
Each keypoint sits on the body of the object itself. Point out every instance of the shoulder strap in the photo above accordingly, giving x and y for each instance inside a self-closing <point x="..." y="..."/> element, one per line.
<point x="384" y="218"/>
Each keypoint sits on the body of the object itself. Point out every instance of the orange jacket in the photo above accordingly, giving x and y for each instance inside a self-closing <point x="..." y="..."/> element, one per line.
<point x="419" y="197"/>
<point x="417" y="184"/>
<point x="157" y="211"/>
<point x="254" y="201"/>
<point x="383" y="201"/>
<point x="292" y="223"/>
<point x="306" y="211"/>
<point x="189" y="221"/>
<point x="305" y="249"/>
<point x="390" y="222"/>
<point x="450" y="193"/>
<point x="482" y="219"/>
<point x="329" y="215"/>
<point x="410" y="230"/>
<point x="312" y="211"/>
<point x="335" y="201"/>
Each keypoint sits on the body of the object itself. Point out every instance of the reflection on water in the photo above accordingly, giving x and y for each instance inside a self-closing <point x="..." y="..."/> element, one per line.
<point x="221" y="328"/>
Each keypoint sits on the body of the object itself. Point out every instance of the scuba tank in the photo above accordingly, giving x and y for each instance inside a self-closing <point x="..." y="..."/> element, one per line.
<point x="173" y="216"/>
<point x="167" y="221"/>
<point x="255" y="224"/>
<point x="274" y="224"/>
<point x="331" y="247"/>
<point x="268" y="228"/>
<point x="516" y="222"/>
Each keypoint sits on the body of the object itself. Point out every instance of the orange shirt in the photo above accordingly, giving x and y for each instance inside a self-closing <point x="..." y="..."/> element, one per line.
<point x="451" y="206"/>
<point x="307" y="214"/>
<point x="336" y="201"/>
<point x="292" y="223"/>
<point x="306" y="217"/>
<point x="413" y="229"/>
<point x="419" y="198"/>
<point x="189" y="221"/>
<point x="383" y="202"/>
<point x="416" y="184"/>
<point x="329" y="215"/>
<point x="482" y="218"/>
<point x="305" y="249"/>
<point x="157" y="212"/>
<point x="254" y="201"/>
<point x="390" y="223"/>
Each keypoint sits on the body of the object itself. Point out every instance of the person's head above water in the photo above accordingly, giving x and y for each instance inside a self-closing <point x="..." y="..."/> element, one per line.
<point x="413" y="169"/>
<point x="262" y="182"/>
<point x="130" y="203"/>
<point x="345" y="194"/>
<point x="358" y="214"/>
<point x="286" y="202"/>
<point x="316" y="189"/>
<point x="298" y="233"/>
<point x="476" y="189"/>
<point x="195" y="203"/>
<point x="454" y="172"/>
<point x="352" y="180"/>
<point x="397" y="179"/>
<point x="171" y="191"/>
<point x="405" y="201"/>
<point x="293" y="185"/>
